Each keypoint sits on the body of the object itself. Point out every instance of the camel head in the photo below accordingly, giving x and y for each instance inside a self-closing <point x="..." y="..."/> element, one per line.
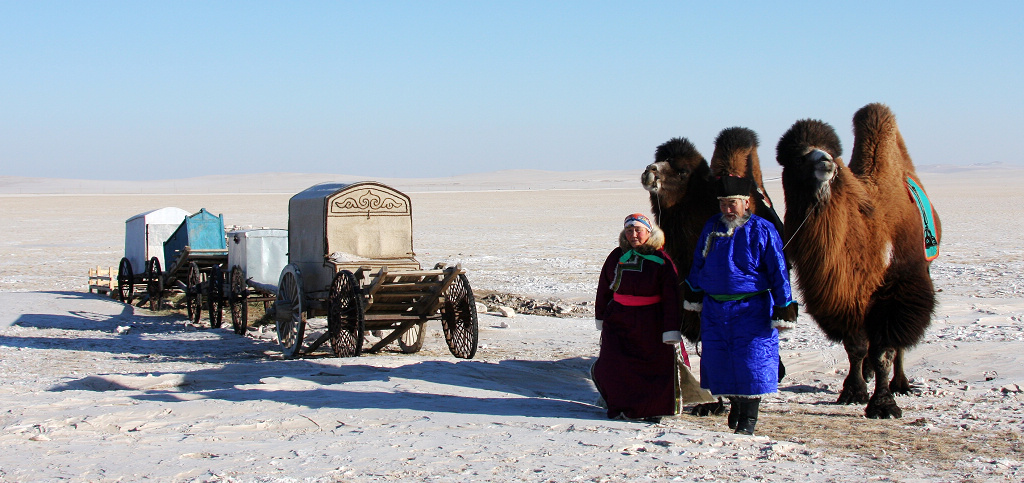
<point x="810" y="157"/>
<point x="677" y="163"/>
<point x="736" y="154"/>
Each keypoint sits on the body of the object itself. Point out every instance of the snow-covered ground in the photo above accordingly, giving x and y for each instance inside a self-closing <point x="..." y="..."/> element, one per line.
<point x="95" y="390"/>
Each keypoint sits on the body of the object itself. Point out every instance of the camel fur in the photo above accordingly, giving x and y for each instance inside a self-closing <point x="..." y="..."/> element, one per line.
<point x="681" y="186"/>
<point x="682" y="200"/>
<point x="736" y="155"/>
<point x="856" y="241"/>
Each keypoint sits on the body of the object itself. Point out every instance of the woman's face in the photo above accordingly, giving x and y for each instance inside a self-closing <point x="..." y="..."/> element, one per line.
<point x="637" y="235"/>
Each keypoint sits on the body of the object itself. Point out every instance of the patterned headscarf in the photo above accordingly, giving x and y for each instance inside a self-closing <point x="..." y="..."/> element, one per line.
<point x="639" y="219"/>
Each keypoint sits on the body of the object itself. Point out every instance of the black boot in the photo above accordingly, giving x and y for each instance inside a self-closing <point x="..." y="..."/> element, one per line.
<point x="734" y="412"/>
<point x="748" y="415"/>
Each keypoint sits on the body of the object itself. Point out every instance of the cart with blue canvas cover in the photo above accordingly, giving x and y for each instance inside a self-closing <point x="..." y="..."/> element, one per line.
<point x="350" y="258"/>
<point x="256" y="258"/>
<point x="195" y="255"/>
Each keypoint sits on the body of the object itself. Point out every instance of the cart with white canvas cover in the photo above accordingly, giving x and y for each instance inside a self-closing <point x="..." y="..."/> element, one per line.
<point x="256" y="257"/>
<point x="144" y="237"/>
<point x="350" y="257"/>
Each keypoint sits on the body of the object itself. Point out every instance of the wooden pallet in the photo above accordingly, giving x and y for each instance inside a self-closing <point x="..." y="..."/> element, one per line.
<point x="102" y="280"/>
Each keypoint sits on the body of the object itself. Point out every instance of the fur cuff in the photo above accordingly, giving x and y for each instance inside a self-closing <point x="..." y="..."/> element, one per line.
<point x="671" y="337"/>
<point x="788" y="313"/>
<point x="783" y="325"/>
<point x="598" y="323"/>
<point x="693" y="307"/>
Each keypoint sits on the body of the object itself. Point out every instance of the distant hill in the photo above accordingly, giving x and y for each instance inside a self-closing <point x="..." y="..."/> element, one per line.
<point x="295" y="182"/>
<point x="516" y="179"/>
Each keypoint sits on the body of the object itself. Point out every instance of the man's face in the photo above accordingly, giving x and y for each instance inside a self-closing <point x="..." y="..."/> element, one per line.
<point x="733" y="208"/>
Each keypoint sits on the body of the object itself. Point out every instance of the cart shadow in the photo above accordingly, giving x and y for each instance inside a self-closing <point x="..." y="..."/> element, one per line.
<point x="506" y="388"/>
<point x="118" y="328"/>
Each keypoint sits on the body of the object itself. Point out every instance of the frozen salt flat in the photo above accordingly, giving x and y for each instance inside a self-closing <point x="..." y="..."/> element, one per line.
<point x="99" y="391"/>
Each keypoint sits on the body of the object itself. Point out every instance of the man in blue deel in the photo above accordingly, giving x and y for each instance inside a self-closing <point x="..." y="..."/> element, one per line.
<point x="739" y="276"/>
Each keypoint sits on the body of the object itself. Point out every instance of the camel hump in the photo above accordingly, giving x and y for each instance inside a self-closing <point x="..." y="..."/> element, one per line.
<point x="736" y="154"/>
<point x="879" y="153"/>
<point x="734" y="138"/>
<point x="875" y="119"/>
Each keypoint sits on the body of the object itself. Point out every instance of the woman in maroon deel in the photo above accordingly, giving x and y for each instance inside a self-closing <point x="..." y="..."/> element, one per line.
<point x="637" y="312"/>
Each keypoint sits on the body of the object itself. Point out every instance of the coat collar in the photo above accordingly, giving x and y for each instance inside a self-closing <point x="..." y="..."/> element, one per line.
<point x="654" y="243"/>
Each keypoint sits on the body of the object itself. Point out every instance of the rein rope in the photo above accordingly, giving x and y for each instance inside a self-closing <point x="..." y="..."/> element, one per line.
<point x="808" y="213"/>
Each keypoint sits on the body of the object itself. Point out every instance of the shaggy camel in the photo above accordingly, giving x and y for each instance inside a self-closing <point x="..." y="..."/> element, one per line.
<point x="680" y="182"/>
<point x="736" y="155"/>
<point x="681" y="186"/>
<point x="682" y="200"/>
<point x="858" y="245"/>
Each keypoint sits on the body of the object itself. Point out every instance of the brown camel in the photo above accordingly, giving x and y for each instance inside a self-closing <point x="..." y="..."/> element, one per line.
<point x="681" y="186"/>
<point x="680" y="182"/>
<point x="682" y="200"/>
<point x="859" y="248"/>
<point x="736" y="155"/>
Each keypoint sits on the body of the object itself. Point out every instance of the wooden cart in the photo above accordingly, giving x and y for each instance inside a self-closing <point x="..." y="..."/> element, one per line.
<point x="256" y="258"/>
<point x="144" y="237"/>
<point x="350" y="258"/>
<point x="196" y="254"/>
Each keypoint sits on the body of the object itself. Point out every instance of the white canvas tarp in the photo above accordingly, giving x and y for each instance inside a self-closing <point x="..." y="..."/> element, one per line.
<point x="145" y="234"/>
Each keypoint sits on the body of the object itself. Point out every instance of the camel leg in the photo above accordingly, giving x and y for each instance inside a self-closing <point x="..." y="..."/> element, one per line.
<point x="899" y="383"/>
<point x="882" y="404"/>
<point x="855" y="388"/>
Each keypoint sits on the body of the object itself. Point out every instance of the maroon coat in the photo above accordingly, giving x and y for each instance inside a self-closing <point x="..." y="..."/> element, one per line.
<point x="635" y="371"/>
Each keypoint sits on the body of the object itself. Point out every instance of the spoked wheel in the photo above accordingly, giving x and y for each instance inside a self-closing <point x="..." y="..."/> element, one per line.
<point x="459" y="320"/>
<point x="154" y="283"/>
<point x="345" y="315"/>
<point x="215" y="297"/>
<point x="237" y="297"/>
<point x="412" y="340"/>
<point x="289" y="316"/>
<point x="194" y="293"/>
<point x="125" y="281"/>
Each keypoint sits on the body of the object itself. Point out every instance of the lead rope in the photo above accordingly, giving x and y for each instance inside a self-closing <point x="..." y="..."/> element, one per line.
<point x="815" y="205"/>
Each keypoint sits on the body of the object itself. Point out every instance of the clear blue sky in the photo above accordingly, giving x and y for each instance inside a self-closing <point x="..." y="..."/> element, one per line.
<point x="150" y="90"/>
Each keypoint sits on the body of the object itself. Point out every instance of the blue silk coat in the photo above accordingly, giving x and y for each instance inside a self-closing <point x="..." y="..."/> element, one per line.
<point x="740" y="347"/>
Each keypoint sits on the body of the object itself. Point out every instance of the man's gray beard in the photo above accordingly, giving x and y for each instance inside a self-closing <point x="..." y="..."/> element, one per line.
<point x="732" y="225"/>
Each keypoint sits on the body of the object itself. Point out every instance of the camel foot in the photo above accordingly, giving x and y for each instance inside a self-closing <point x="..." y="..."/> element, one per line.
<point x="899" y="385"/>
<point x="709" y="409"/>
<point x="883" y="407"/>
<point x="852" y="396"/>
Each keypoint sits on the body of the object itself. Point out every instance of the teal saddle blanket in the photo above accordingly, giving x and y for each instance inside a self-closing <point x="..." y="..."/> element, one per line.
<point x="931" y="242"/>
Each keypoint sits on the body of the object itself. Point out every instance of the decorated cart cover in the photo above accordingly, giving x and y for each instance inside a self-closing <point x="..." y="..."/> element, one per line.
<point x="261" y="254"/>
<point x="363" y="221"/>
<point x="201" y="231"/>
<point x="145" y="234"/>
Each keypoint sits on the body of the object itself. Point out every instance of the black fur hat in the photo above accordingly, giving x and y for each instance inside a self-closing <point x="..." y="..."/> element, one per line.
<point x="733" y="187"/>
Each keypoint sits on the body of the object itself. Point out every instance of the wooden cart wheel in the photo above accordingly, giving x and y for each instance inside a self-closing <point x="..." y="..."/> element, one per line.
<point x="459" y="320"/>
<point x="345" y="315"/>
<point x="412" y="340"/>
<point x="238" y="292"/>
<point x="289" y="315"/>
<point x="215" y="297"/>
<point x="194" y="293"/>
<point x="154" y="283"/>
<point x="125" y="281"/>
